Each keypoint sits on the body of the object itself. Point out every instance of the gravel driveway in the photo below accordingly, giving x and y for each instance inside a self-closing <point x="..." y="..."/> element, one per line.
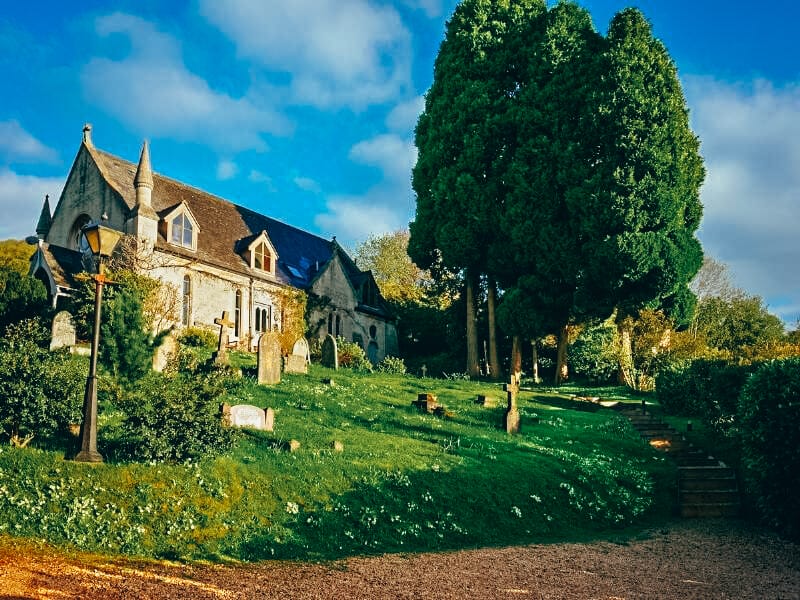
<point x="686" y="559"/>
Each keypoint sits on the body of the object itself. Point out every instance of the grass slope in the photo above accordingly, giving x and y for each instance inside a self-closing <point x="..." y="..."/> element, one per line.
<point x="405" y="481"/>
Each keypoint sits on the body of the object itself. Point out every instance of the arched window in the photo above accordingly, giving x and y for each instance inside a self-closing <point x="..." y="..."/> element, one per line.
<point x="261" y="322"/>
<point x="338" y="326"/>
<point x="373" y="331"/>
<point x="186" y="306"/>
<point x="182" y="231"/>
<point x="262" y="259"/>
<point x="237" y="314"/>
<point x="76" y="237"/>
<point x="330" y="324"/>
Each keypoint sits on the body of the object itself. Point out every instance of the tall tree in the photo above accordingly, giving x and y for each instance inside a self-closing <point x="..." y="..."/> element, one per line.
<point x="397" y="276"/>
<point x="462" y="137"/>
<point x="16" y="255"/>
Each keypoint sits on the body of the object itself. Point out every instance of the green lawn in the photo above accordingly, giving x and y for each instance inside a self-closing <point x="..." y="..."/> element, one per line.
<point x="405" y="481"/>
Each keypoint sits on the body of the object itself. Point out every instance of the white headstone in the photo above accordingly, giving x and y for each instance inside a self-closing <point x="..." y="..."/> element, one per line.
<point x="247" y="415"/>
<point x="63" y="331"/>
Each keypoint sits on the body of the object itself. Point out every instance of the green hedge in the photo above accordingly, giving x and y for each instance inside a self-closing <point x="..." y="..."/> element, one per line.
<point x="705" y="388"/>
<point x="769" y="422"/>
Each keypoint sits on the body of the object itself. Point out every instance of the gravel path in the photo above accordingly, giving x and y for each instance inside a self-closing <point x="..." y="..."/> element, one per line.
<point x="686" y="559"/>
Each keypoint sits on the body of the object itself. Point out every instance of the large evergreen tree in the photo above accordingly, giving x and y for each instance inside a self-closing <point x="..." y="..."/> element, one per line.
<point x="462" y="137"/>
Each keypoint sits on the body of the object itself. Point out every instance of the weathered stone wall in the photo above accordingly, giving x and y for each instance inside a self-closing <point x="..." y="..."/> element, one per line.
<point x="85" y="192"/>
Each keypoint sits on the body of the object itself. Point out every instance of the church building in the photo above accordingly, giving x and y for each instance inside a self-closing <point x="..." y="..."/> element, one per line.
<point x="216" y="255"/>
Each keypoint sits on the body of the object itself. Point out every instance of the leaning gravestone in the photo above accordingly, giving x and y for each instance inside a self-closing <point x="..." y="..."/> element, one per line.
<point x="167" y="351"/>
<point x="269" y="358"/>
<point x="247" y="415"/>
<point x="330" y="353"/>
<point x="63" y="331"/>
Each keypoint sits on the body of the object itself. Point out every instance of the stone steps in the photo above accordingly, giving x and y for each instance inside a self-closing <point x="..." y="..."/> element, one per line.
<point x="706" y="486"/>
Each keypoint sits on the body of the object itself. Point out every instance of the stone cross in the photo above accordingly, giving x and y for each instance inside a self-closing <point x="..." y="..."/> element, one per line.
<point x="424" y="371"/>
<point x="511" y="418"/>
<point x="221" y="355"/>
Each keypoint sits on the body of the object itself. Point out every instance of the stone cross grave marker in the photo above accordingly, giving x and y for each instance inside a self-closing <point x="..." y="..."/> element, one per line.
<point x="512" y="418"/>
<point x="330" y="353"/>
<point x="220" y="357"/>
<point x="164" y="353"/>
<point x="63" y="331"/>
<point x="269" y="358"/>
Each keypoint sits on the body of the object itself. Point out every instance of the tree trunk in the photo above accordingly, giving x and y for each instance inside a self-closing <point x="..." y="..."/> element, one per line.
<point x="494" y="362"/>
<point x="516" y="357"/>
<point x="473" y="368"/>
<point x="561" y="356"/>
<point x="535" y="361"/>
<point x="626" y="373"/>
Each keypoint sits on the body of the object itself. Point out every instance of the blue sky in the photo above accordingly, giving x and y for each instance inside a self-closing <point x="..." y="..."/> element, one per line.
<point x="304" y="109"/>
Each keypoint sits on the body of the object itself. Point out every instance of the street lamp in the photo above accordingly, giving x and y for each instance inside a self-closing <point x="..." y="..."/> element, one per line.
<point x="101" y="240"/>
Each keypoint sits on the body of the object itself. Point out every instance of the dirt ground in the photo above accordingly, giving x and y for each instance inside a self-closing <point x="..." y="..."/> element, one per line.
<point x="687" y="559"/>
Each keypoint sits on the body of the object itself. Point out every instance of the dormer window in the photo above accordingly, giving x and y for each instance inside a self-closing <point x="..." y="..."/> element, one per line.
<point x="181" y="227"/>
<point x="262" y="259"/>
<point x="182" y="231"/>
<point x="261" y="254"/>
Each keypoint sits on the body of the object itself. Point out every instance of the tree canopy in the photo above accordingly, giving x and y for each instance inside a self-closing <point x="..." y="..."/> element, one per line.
<point x="397" y="276"/>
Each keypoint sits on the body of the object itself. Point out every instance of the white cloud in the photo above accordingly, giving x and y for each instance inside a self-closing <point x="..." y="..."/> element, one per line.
<point x="390" y="153"/>
<point x="307" y="184"/>
<point x="336" y="52"/>
<point x="403" y="117"/>
<point x="751" y="143"/>
<point x="153" y="91"/>
<point x="258" y="177"/>
<point x="17" y="145"/>
<point x="21" y="199"/>
<point x="226" y="169"/>
<point x="355" y="218"/>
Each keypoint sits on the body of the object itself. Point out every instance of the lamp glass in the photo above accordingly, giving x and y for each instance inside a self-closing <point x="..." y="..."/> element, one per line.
<point x="101" y="239"/>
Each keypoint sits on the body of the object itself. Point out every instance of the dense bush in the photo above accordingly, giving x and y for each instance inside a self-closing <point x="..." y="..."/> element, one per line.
<point x="769" y="420"/>
<point x="176" y="416"/>
<point x="197" y="337"/>
<point x="41" y="392"/>
<point x="127" y="348"/>
<point x="352" y="356"/>
<point x="392" y="364"/>
<point x="20" y="297"/>
<point x="707" y="388"/>
<point x="593" y="354"/>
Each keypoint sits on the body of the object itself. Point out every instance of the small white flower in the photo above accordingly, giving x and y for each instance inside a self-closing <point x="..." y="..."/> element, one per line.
<point x="516" y="512"/>
<point x="292" y="508"/>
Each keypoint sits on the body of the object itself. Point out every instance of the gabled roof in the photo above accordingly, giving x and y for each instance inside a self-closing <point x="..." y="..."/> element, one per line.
<point x="227" y="229"/>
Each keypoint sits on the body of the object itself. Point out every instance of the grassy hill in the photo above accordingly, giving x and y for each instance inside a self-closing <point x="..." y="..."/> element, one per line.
<point x="404" y="481"/>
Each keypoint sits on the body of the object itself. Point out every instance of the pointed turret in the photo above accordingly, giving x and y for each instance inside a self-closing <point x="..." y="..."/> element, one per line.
<point x="144" y="220"/>
<point x="143" y="181"/>
<point x="45" y="219"/>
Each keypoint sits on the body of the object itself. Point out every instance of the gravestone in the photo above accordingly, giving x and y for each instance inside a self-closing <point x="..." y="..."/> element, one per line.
<point x="167" y="351"/>
<point x="330" y="353"/>
<point x="269" y="358"/>
<point x="247" y="415"/>
<point x="297" y="361"/>
<point x="220" y="357"/>
<point x="300" y="348"/>
<point x="512" y="418"/>
<point x="426" y="403"/>
<point x="486" y="401"/>
<point x="63" y="331"/>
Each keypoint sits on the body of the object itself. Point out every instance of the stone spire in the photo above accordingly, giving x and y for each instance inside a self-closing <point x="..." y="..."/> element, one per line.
<point x="45" y="219"/>
<point x="143" y="181"/>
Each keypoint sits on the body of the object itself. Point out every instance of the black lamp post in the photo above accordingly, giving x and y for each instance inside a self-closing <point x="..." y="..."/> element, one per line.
<point x="102" y="241"/>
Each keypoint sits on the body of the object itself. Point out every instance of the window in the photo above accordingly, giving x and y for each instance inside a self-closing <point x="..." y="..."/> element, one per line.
<point x="186" y="306"/>
<point x="373" y="331"/>
<point x="237" y="314"/>
<point x="330" y="324"/>
<point x="338" y="326"/>
<point x="77" y="238"/>
<point x="262" y="259"/>
<point x="182" y="231"/>
<point x="262" y="318"/>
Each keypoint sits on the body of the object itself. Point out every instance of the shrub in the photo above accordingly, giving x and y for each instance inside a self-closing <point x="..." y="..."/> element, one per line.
<point x="769" y="419"/>
<point x="352" y="356"/>
<point x="593" y="354"/>
<point x="20" y="297"/>
<point x="392" y="364"/>
<point x="707" y="388"/>
<point x="197" y="337"/>
<point x="126" y="349"/>
<point x="41" y="392"/>
<point x="175" y="416"/>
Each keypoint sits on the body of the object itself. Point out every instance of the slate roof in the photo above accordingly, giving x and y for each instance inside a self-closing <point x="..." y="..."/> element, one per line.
<point x="226" y="229"/>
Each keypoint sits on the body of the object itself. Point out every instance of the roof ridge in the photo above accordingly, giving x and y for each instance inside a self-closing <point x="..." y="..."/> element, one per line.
<point x="157" y="175"/>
